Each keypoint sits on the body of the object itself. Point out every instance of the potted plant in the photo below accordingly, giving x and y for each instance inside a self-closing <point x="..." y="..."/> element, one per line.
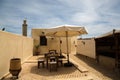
<point x="36" y="51"/>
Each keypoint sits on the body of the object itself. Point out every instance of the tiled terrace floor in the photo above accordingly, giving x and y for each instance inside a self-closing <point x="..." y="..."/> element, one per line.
<point x="31" y="72"/>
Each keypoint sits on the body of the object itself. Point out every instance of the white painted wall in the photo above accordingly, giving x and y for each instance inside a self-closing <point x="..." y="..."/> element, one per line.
<point x="86" y="47"/>
<point x="12" y="46"/>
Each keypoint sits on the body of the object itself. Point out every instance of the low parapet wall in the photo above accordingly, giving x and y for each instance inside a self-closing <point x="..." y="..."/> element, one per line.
<point x="12" y="46"/>
<point x="107" y="62"/>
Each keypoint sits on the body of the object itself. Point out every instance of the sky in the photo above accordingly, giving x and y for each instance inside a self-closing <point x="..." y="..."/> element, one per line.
<point x="97" y="16"/>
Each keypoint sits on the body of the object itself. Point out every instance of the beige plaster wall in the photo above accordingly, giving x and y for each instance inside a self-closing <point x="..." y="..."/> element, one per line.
<point x="86" y="47"/>
<point x="36" y="33"/>
<point x="53" y="43"/>
<point x="12" y="46"/>
<point x="74" y="45"/>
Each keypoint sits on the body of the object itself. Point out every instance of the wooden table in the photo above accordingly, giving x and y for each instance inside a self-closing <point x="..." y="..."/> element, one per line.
<point x="48" y="56"/>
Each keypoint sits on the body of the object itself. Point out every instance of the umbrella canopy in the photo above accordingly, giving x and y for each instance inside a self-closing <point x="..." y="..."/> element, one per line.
<point x="66" y="31"/>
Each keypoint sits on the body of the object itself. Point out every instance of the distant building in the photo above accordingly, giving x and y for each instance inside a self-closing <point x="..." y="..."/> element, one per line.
<point x="24" y="28"/>
<point x="105" y="49"/>
<point x="108" y="49"/>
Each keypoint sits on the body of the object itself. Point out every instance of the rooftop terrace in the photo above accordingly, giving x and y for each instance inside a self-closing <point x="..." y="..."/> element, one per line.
<point x="30" y="71"/>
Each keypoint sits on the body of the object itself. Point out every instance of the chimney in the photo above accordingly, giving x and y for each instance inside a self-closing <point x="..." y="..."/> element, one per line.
<point x="24" y="28"/>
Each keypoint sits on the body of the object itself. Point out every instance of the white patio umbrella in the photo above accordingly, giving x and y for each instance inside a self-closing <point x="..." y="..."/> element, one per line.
<point x="66" y="31"/>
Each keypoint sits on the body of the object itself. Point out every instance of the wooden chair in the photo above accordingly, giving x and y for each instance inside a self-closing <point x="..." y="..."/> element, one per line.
<point x="60" y="62"/>
<point x="52" y="51"/>
<point x="53" y="64"/>
<point x="41" y="61"/>
<point x="52" y="59"/>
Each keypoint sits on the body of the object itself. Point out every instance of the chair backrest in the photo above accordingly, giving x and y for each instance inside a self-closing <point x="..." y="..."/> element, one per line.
<point x="52" y="51"/>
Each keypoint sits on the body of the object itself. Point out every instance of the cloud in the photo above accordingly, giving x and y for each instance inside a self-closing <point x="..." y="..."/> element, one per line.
<point x="85" y="17"/>
<point x="98" y="16"/>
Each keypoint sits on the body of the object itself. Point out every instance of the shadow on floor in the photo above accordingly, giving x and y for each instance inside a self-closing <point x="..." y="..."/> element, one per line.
<point x="105" y="71"/>
<point x="46" y="72"/>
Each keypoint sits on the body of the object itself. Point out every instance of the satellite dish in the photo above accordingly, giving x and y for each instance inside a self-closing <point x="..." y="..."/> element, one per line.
<point x="3" y="29"/>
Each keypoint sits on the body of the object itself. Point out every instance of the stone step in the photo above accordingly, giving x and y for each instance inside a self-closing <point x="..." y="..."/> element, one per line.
<point x="79" y="67"/>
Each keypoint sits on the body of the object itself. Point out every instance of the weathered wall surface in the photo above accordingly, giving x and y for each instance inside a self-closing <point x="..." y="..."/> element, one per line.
<point x="13" y="46"/>
<point x="86" y="47"/>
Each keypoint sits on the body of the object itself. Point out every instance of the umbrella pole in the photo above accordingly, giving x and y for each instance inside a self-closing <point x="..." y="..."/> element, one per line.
<point x="67" y="46"/>
<point x="68" y="64"/>
<point x="60" y="47"/>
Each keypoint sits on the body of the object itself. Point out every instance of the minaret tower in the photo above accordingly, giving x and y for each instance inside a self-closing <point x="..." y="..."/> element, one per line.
<point x="24" y="28"/>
